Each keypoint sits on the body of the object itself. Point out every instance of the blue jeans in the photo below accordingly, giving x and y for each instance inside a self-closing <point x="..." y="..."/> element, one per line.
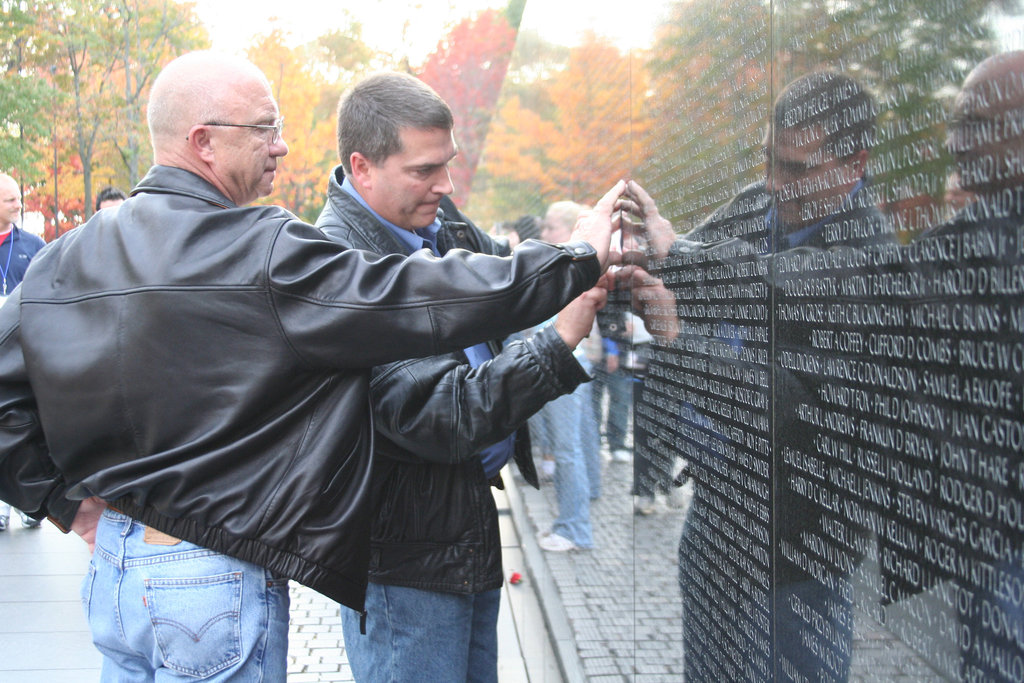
<point x="577" y="464"/>
<point x="619" y="387"/>
<point x="417" y="635"/>
<point x="180" y="612"/>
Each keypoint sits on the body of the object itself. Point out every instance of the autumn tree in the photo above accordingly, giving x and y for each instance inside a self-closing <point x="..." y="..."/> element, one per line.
<point x="87" y="65"/>
<point x="467" y="70"/>
<point x="308" y="102"/>
<point x="23" y="95"/>
<point x="710" y="96"/>
<point x="567" y="126"/>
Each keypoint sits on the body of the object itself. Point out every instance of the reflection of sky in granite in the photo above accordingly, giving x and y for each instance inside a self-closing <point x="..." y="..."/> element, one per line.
<point x="398" y="25"/>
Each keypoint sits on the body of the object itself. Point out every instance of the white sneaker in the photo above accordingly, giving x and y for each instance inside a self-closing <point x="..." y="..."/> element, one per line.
<point x="547" y="470"/>
<point x="621" y="455"/>
<point x="556" y="543"/>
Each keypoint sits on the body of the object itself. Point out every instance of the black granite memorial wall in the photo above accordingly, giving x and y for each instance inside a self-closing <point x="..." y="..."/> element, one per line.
<point x="832" y="194"/>
<point x="846" y="386"/>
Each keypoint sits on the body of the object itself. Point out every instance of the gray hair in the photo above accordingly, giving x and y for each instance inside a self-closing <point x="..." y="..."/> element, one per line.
<point x="192" y="89"/>
<point x="372" y="115"/>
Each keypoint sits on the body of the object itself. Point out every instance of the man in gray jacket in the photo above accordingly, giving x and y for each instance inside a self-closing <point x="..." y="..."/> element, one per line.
<point x="202" y="367"/>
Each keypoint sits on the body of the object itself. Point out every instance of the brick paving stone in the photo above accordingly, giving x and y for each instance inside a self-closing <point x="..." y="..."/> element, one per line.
<point x="629" y="583"/>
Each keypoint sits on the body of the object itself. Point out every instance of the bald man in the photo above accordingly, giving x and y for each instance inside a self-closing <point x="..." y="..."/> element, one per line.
<point x="200" y="367"/>
<point x="986" y="139"/>
<point x="985" y="134"/>
<point x="17" y="248"/>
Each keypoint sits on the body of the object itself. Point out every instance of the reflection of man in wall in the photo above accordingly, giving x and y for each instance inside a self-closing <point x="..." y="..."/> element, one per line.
<point x="816" y="192"/>
<point x="815" y="196"/>
<point x="986" y="139"/>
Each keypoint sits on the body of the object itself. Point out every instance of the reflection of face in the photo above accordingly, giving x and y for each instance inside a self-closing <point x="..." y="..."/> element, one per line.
<point x="407" y="187"/>
<point x="245" y="158"/>
<point x="10" y="203"/>
<point x="986" y="135"/>
<point x="808" y="182"/>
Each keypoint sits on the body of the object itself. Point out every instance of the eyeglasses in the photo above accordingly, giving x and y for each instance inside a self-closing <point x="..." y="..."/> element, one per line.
<point x="787" y="167"/>
<point x="277" y="126"/>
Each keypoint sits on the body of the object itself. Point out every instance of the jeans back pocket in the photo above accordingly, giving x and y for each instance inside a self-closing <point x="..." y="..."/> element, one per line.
<point x="197" y="621"/>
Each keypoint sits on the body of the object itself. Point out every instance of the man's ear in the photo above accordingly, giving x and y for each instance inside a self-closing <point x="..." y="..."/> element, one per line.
<point x="362" y="171"/>
<point x="201" y="142"/>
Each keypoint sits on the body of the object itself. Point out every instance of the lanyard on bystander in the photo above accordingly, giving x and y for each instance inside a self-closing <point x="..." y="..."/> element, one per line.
<point x="7" y="267"/>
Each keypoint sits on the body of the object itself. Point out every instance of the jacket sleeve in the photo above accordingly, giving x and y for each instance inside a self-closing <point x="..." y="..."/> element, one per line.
<point x="29" y="480"/>
<point x="342" y="307"/>
<point x="442" y="410"/>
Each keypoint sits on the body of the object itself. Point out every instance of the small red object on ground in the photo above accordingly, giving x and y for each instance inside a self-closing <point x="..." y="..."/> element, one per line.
<point x="515" y="578"/>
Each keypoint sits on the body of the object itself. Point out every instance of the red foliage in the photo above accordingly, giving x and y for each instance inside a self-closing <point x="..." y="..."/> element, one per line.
<point x="467" y="70"/>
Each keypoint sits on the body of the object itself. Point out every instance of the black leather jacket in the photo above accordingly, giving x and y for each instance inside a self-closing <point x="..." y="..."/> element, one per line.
<point x="205" y="368"/>
<point x="436" y="525"/>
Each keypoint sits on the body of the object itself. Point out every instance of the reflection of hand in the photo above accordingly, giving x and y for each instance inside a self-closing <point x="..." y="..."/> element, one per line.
<point x="595" y="225"/>
<point x="575" y="321"/>
<point x="86" y="519"/>
<point x="652" y="301"/>
<point x="656" y="231"/>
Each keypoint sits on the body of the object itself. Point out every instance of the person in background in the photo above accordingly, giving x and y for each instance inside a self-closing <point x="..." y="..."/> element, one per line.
<point x="17" y="248"/>
<point x="446" y="424"/>
<point x="109" y="196"/>
<point x="568" y="429"/>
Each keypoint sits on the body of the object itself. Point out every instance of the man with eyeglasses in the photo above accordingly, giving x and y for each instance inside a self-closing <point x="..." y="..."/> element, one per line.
<point x="817" y="189"/>
<point x="20" y="248"/>
<point x="184" y="382"/>
<point x="815" y="195"/>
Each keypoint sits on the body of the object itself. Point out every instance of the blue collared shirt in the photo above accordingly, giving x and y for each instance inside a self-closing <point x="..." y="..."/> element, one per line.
<point x="493" y="457"/>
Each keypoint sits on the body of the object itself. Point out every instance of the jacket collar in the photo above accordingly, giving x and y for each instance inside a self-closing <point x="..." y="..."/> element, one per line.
<point x="355" y="217"/>
<point x="172" y="180"/>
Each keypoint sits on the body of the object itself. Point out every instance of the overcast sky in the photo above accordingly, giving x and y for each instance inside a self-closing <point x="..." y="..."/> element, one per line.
<point x="233" y="23"/>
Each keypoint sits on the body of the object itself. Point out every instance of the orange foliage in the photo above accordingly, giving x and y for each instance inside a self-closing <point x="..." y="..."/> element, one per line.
<point x="583" y="132"/>
<point x="467" y="70"/>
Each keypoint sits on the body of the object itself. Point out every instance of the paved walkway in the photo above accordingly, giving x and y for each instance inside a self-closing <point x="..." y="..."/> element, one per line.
<point x="614" y="611"/>
<point x="46" y="640"/>
<point x="611" y="614"/>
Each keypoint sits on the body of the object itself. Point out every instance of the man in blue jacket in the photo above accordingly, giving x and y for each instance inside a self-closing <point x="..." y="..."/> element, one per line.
<point x="17" y="248"/>
<point x="447" y="423"/>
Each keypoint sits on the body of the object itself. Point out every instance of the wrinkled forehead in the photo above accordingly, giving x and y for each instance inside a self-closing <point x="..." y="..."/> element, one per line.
<point x="251" y="100"/>
<point x="8" y="189"/>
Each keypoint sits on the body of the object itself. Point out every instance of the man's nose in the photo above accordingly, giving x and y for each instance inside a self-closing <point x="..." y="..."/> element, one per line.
<point x="279" y="148"/>
<point x="444" y="184"/>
